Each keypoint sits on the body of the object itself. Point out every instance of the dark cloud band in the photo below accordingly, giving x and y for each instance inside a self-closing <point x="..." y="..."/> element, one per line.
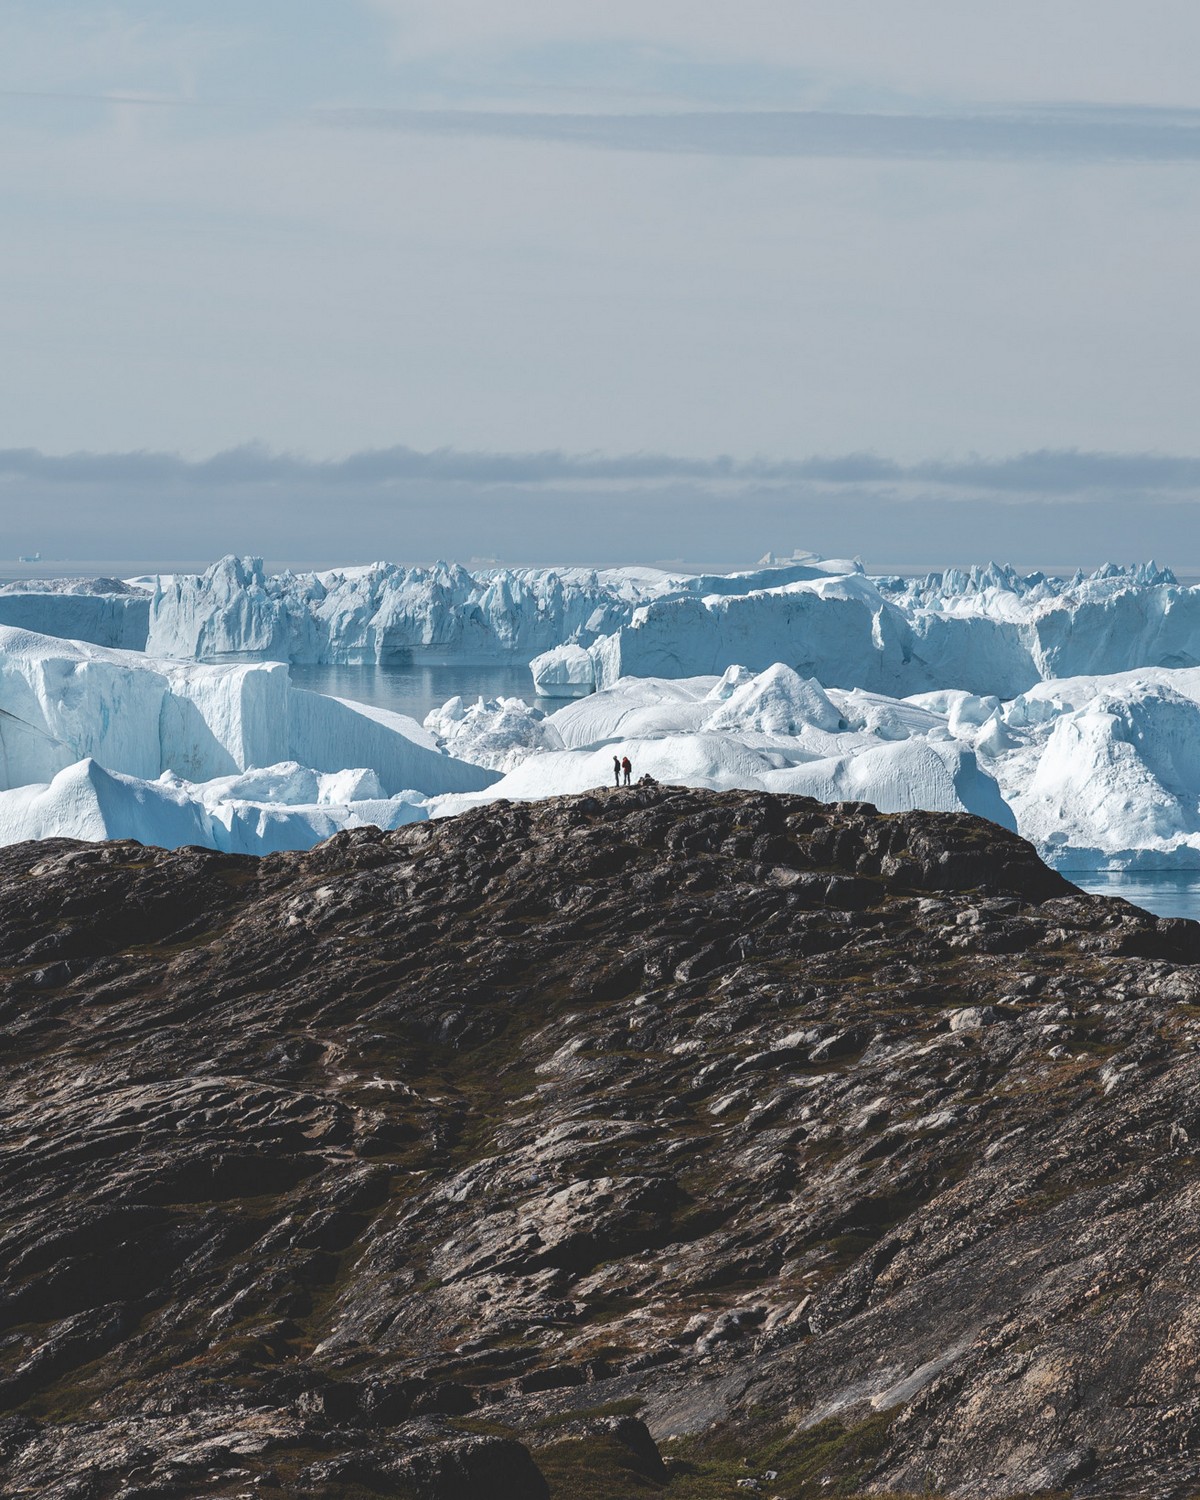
<point x="1063" y="473"/>
<point x="1051" y="509"/>
<point x="1055" y="134"/>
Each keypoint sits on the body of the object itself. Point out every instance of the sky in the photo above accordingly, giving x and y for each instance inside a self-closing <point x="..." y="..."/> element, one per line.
<point x="550" y="281"/>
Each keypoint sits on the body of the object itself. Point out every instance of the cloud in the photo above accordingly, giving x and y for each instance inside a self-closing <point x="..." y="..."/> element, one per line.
<point x="144" y="510"/>
<point x="1024" y="49"/>
<point x="1028" y="476"/>
<point x="1053" y="135"/>
<point x="150" y="100"/>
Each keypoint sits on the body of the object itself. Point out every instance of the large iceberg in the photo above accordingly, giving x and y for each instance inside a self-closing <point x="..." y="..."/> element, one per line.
<point x="384" y="612"/>
<point x="81" y="725"/>
<point x="105" y="611"/>
<point x="282" y="807"/>
<point x="966" y="632"/>
<point x="66" y="701"/>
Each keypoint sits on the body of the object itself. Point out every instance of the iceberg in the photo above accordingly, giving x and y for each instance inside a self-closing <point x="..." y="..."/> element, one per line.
<point x="771" y="731"/>
<point x="383" y="612"/>
<point x="64" y="704"/>
<point x="1099" y="772"/>
<point x="777" y="701"/>
<point x="1104" y="772"/>
<point x="104" y="611"/>
<point x="497" y="733"/>
<point x="566" y="671"/>
<point x="265" y="816"/>
<point x="84" y="801"/>
<point x="895" y="778"/>
<point x="987" y="632"/>
<point x="1068" y="705"/>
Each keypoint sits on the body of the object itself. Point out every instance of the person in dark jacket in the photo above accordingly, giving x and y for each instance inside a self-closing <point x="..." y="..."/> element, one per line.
<point x="616" y="770"/>
<point x="627" y="767"/>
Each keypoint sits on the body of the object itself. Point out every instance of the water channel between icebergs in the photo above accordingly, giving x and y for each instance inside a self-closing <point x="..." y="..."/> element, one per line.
<point x="416" y="688"/>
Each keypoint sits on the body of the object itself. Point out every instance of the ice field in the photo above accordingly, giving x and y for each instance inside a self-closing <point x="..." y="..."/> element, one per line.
<point x="1067" y="708"/>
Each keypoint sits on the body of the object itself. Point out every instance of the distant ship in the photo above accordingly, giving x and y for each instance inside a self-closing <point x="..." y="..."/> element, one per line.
<point x="33" y="557"/>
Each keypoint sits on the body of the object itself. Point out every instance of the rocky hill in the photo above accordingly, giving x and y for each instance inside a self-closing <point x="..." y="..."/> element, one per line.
<point x="651" y="1142"/>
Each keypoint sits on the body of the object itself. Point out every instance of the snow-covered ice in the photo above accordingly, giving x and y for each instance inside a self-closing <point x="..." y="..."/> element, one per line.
<point x="97" y="743"/>
<point x="381" y="612"/>
<point x="105" y="611"/>
<point x="1068" y="706"/>
<point x="1099" y="772"/>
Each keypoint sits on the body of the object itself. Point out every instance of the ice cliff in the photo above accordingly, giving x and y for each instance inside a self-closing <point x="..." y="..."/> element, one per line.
<point x="105" y="611"/>
<point x="987" y="630"/>
<point x="98" y="743"/>
<point x="383" y="611"/>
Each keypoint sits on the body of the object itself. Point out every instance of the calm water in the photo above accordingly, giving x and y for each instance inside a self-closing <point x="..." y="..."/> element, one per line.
<point x="415" y="689"/>
<point x="1168" y="893"/>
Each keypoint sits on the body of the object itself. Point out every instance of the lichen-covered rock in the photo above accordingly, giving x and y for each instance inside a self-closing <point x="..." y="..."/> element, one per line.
<point x="655" y="1136"/>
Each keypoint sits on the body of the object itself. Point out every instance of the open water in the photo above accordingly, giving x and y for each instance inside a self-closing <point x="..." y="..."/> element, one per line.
<point x="1167" y="893"/>
<point x="413" y="689"/>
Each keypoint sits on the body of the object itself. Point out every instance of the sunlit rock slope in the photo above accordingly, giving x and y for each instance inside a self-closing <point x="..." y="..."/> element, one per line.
<point x="644" y="1142"/>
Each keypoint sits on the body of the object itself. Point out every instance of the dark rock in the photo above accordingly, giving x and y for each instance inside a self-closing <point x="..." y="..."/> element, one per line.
<point x="484" y="1468"/>
<point x="750" y="1115"/>
<point x="635" y="1435"/>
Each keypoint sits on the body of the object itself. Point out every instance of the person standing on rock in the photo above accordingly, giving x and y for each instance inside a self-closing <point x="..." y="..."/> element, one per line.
<point x="616" y="770"/>
<point x="627" y="768"/>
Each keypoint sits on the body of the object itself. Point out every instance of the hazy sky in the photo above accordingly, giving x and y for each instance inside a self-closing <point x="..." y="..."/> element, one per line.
<point x="944" y="233"/>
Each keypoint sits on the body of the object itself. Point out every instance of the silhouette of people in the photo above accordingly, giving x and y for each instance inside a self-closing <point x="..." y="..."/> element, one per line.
<point x="627" y="767"/>
<point x="616" y="771"/>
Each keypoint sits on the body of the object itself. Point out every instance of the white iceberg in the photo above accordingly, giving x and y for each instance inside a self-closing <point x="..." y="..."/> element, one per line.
<point x="62" y="702"/>
<point x="987" y="633"/>
<point x="1098" y="771"/>
<point x="771" y="731"/>
<point x="498" y="733"/>
<point x="264" y="814"/>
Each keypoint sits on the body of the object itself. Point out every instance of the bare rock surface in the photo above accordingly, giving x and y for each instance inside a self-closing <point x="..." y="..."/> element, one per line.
<point x="647" y="1142"/>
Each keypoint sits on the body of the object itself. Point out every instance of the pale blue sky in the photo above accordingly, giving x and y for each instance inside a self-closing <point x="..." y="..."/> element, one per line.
<point x="782" y="229"/>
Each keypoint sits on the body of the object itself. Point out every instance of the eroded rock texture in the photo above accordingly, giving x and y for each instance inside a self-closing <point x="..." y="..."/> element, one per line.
<point x="824" y="1150"/>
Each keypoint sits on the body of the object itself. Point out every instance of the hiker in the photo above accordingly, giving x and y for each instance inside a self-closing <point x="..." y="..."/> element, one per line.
<point x="616" y="771"/>
<point x="627" y="768"/>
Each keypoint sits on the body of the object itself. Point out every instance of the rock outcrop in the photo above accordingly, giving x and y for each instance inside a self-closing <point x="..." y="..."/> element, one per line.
<point x="645" y="1142"/>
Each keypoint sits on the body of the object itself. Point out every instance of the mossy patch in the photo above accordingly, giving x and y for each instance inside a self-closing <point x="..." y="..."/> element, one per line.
<point x="829" y="1459"/>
